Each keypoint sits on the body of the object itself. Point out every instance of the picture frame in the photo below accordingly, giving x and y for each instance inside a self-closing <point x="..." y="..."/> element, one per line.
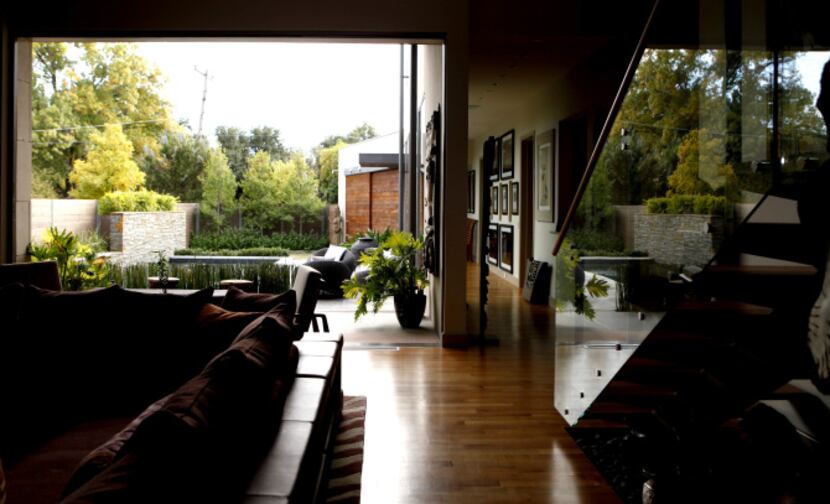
<point x="506" y="154"/>
<point x="471" y="191"/>
<point x="514" y="198"/>
<point x="545" y="174"/>
<point x="505" y="203"/>
<point x="495" y="168"/>
<point x="493" y="244"/>
<point x="494" y="200"/>
<point x="506" y="248"/>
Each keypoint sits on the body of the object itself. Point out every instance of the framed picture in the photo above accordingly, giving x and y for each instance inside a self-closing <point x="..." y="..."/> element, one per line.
<point x="494" y="168"/>
<point x="493" y="244"/>
<point x="505" y="207"/>
<point x="514" y="198"/>
<point x="471" y="192"/>
<point x="506" y="152"/>
<point x="506" y="248"/>
<point x="494" y="199"/>
<point x="545" y="195"/>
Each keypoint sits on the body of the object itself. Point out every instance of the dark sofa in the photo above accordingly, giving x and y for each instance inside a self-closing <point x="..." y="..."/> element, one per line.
<point x="77" y="368"/>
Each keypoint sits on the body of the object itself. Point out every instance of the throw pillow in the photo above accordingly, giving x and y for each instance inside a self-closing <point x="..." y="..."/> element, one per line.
<point x="335" y="253"/>
<point x="215" y="328"/>
<point x="239" y="300"/>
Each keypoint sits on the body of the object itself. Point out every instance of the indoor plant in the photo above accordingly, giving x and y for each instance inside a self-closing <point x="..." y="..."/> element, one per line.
<point x="394" y="270"/>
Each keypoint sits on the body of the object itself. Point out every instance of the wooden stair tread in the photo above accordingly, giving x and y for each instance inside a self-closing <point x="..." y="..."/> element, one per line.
<point x="629" y="388"/>
<point x="759" y="270"/>
<point x="609" y="407"/>
<point x="722" y="306"/>
<point x="599" y="423"/>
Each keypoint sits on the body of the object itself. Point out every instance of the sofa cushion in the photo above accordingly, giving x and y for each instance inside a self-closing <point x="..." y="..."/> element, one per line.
<point x="216" y="328"/>
<point x="40" y="475"/>
<point x="239" y="300"/>
<point x="104" y="455"/>
<point x="213" y="427"/>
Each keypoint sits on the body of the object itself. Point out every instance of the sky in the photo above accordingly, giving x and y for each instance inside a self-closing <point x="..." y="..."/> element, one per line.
<point x="308" y="91"/>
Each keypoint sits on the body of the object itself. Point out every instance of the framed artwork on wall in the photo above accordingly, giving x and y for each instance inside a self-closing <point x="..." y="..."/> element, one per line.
<point x="495" y="167"/>
<point x="514" y="198"/>
<point x="505" y="207"/>
<point x="545" y="175"/>
<point x="506" y="248"/>
<point x="494" y="199"/>
<point x="493" y="244"/>
<point x="506" y="154"/>
<point x="471" y="192"/>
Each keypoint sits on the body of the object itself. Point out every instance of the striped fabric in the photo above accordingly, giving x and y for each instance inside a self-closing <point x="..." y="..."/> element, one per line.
<point x="347" y="455"/>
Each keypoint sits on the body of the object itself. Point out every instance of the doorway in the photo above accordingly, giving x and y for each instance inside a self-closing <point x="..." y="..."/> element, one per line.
<point x="526" y="210"/>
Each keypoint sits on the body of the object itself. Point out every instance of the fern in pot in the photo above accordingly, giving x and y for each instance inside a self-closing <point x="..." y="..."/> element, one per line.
<point x="394" y="271"/>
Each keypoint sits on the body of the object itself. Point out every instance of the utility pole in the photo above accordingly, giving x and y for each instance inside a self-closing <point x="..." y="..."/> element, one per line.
<point x="204" y="97"/>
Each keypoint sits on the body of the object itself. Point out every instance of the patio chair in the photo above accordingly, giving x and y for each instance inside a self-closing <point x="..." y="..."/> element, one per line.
<point x="335" y="268"/>
<point x="307" y="287"/>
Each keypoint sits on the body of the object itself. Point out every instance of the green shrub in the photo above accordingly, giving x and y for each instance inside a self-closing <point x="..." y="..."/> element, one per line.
<point x="255" y="251"/>
<point x="136" y="201"/>
<point x="240" y="239"/>
<point x="592" y="241"/>
<point x="267" y="277"/>
<point x="704" y="204"/>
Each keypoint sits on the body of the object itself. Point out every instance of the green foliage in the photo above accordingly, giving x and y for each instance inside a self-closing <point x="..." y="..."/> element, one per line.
<point x="248" y="238"/>
<point x="589" y="240"/>
<point x="328" y="168"/>
<point x="108" y="166"/>
<point x="688" y="204"/>
<point x="135" y="201"/>
<point x="571" y="291"/>
<point x="267" y="277"/>
<point x="177" y="167"/>
<point x="107" y="83"/>
<point x="218" y="190"/>
<point x="278" y="192"/>
<point x="254" y="251"/>
<point x="701" y="168"/>
<point x="78" y="263"/>
<point x="240" y="146"/>
<point x="393" y="270"/>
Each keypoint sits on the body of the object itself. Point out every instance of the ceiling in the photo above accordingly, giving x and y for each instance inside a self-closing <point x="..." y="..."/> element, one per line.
<point x="518" y="52"/>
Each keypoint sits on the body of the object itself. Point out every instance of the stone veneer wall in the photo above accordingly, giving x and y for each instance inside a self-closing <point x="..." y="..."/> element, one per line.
<point x="139" y="235"/>
<point x="681" y="239"/>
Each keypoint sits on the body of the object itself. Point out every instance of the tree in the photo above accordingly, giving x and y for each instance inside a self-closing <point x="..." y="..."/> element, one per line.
<point x="300" y="188"/>
<point x="105" y="84"/>
<point x="218" y="189"/>
<point x="176" y="168"/>
<point x="262" y="200"/>
<point x="239" y="146"/>
<point x="108" y="166"/>
<point x="267" y="139"/>
<point x="328" y="162"/>
<point x="701" y="167"/>
<point x="235" y="145"/>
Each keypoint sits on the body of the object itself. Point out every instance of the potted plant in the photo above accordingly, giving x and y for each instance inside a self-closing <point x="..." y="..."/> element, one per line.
<point x="394" y="271"/>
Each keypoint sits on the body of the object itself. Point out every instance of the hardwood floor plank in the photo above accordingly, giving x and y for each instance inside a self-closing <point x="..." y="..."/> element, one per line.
<point x="475" y="425"/>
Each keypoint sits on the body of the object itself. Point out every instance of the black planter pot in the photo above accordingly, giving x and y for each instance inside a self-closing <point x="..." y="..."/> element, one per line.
<point x="410" y="310"/>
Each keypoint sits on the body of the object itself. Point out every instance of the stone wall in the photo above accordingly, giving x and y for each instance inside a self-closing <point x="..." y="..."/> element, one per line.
<point x="139" y="235"/>
<point x="682" y="239"/>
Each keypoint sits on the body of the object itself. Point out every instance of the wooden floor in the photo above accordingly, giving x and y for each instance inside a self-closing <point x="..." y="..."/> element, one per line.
<point x="475" y="425"/>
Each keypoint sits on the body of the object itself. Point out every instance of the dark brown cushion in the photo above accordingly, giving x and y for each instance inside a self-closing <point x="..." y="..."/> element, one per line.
<point x="104" y="455"/>
<point x="217" y="328"/>
<point x="239" y="300"/>
<point x="211" y="429"/>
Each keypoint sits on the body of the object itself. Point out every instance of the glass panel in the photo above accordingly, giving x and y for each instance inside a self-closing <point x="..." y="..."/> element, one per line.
<point x="689" y="157"/>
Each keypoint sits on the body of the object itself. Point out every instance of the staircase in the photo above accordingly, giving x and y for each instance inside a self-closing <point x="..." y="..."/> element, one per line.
<point x="685" y="410"/>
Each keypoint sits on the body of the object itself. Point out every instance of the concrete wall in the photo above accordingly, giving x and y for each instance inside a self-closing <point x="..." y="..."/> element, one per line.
<point x="682" y="239"/>
<point x="139" y="235"/>
<point x="78" y="216"/>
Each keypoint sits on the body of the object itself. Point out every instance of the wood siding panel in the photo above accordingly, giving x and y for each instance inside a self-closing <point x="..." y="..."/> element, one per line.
<point x="357" y="203"/>
<point x="384" y="200"/>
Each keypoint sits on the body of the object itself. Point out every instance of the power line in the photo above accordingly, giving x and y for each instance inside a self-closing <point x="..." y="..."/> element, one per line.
<point x="73" y="128"/>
